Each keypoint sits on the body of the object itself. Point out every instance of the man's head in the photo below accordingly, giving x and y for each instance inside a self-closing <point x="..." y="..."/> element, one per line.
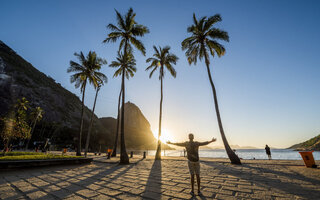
<point x="191" y="136"/>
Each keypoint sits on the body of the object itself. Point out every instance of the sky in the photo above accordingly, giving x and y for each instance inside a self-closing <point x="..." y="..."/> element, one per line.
<point x="267" y="83"/>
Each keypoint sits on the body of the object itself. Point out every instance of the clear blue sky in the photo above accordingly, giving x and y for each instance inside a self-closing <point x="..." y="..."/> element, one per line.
<point x="268" y="82"/>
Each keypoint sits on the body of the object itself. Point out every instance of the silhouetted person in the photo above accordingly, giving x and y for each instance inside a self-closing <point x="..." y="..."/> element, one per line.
<point x="268" y="152"/>
<point x="192" y="148"/>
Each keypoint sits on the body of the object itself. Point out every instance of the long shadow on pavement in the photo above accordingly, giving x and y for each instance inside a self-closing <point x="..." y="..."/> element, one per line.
<point x="153" y="186"/>
<point x="81" y="184"/>
<point x="264" y="181"/>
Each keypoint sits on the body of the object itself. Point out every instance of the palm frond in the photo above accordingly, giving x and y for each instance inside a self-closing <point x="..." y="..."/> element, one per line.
<point x="75" y="67"/>
<point x="218" y="48"/>
<point x="171" y="70"/>
<point x="117" y="72"/>
<point x="150" y="59"/>
<point x="129" y="19"/>
<point x="120" y="21"/>
<point x="101" y="76"/>
<point x="171" y="58"/>
<point x="113" y="27"/>
<point x="195" y="21"/>
<point x="139" y="30"/>
<point x="215" y="33"/>
<point x="115" y="64"/>
<point x="212" y="20"/>
<point x="151" y="73"/>
<point x="150" y="67"/>
<point x="138" y="44"/>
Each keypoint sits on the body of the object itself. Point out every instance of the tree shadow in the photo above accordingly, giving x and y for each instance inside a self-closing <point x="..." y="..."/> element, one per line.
<point x="258" y="178"/>
<point x="293" y="175"/>
<point x="82" y="182"/>
<point x="153" y="186"/>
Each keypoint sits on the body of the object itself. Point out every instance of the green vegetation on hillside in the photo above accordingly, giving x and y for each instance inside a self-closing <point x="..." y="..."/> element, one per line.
<point x="312" y="144"/>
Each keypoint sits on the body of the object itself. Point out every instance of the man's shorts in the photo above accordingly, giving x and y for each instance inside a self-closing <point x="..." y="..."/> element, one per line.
<point x="194" y="167"/>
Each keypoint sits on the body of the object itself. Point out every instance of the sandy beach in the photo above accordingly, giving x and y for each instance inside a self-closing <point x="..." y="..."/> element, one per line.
<point x="168" y="179"/>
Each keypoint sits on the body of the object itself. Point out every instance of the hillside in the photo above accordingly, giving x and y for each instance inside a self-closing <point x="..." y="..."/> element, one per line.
<point x="60" y="122"/>
<point x="312" y="144"/>
<point x="18" y="78"/>
<point x="138" y="132"/>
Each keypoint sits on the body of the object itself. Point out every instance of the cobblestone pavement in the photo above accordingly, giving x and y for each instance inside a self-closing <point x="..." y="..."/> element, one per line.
<point x="168" y="179"/>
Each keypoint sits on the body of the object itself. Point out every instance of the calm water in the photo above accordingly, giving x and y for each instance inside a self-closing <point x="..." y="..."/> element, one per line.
<point x="284" y="154"/>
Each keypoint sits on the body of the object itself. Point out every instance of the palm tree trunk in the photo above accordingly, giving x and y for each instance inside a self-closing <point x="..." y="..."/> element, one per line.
<point x="232" y="156"/>
<point x="6" y="144"/>
<point x="124" y="159"/>
<point x="81" y="122"/>
<point x="91" y="122"/>
<point x="114" y="151"/>
<point x="34" y="125"/>
<point x="158" y="153"/>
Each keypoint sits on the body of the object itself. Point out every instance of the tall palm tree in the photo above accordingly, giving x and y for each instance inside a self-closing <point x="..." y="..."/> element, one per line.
<point x="127" y="30"/>
<point x="114" y="151"/>
<point x="161" y="58"/>
<point x="204" y="40"/>
<point x="36" y="115"/>
<point x="87" y="70"/>
<point x="126" y="68"/>
<point x="100" y="83"/>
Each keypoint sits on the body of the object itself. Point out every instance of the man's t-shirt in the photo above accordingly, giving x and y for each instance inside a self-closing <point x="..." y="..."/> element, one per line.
<point x="192" y="151"/>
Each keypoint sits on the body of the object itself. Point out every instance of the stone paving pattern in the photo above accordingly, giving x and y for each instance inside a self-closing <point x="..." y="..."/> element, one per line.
<point x="166" y="179"/>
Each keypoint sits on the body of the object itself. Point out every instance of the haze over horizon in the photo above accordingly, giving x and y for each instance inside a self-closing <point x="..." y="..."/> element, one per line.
<point x="267" y="82"/>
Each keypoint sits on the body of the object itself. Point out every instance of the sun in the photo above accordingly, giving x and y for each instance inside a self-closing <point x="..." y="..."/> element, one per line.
<point x="165" y="135"/>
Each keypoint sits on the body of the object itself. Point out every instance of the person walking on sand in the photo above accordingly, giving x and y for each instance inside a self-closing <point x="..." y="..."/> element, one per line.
<point x="192" y="148"/>
<point x="268" y="152"/>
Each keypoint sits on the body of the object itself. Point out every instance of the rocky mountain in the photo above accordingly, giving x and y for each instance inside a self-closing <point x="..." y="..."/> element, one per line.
<point x="18" y="78"/>
<point x="60" y="122"/>
<point x="312" y="144"/>
<point x="138" y="132"/>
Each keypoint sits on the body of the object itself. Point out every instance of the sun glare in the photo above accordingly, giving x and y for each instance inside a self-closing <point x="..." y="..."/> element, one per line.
<point x="165" y="135"/>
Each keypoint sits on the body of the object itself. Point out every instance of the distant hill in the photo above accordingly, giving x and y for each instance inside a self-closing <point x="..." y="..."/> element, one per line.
<point x="60" y="123"/>
<point x="312" y="144"/>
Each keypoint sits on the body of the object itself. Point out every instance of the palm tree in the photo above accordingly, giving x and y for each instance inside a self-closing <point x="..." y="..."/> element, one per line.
<point x="203" y="40"/>
<point x="162" y="57"/>
<point x="86" y="70"/>
<point x="36" y="116"/>
<point x="114" y="151"/>
<point x="100" y="83"/>
<point x="127" y="30"/>
<point x="126" y="68"/>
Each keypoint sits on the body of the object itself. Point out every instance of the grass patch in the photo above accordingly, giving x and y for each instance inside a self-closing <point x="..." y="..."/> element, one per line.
<point x="19" y="153"/>
<point x="36" y="157"/>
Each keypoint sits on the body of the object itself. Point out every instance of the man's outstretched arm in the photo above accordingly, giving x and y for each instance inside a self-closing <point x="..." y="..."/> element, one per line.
<point x="208" y="142"/>
<point x="182" y="144"/>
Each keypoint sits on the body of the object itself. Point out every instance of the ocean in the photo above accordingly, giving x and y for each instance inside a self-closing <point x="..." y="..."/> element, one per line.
<point x="282" y="154"/>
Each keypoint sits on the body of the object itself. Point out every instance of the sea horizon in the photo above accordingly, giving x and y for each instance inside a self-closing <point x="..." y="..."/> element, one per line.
<point x="251" y="154"/>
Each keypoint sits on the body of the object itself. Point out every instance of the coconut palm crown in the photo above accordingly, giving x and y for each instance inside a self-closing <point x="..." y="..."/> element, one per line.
<point x="126" y="63"/>
<point x="204" y="39"/>
<point x="162" y="58"/>
<point x="87" y="70"/>
<point x="127" y="30"/>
